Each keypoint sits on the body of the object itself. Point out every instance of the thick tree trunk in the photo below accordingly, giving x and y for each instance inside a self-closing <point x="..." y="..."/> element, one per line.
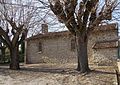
<point x="3" y="54"/>
<point x="14" y="61"/>
<point x="82" y="54"/>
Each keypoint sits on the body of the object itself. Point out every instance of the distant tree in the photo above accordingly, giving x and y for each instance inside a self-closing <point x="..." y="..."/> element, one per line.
<point x="2" y="52"/>
<point x="81" y="17"/>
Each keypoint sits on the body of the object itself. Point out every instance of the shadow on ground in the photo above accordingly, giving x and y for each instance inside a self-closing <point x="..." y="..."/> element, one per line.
<point x="56" y="69"/>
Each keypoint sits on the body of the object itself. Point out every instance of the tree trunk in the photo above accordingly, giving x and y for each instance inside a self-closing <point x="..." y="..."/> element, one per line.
<point x="82" y="53"/>
<point x="3" y="54"/>
<point x="23" y="47"/>
<point x="14" y="61"/>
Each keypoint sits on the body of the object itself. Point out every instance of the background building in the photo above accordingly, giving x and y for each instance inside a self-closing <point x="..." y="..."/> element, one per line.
<point x="59" y="47"/>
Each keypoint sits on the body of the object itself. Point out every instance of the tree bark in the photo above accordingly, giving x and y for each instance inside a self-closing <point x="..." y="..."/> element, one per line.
<point x="3" y="54"/>
<point x="14" y="61"/>
<point x="23" y="47"/>
<point x="82" y="53"/>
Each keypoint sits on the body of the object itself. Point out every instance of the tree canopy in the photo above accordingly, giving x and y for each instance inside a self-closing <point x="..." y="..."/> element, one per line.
<point x="81" y="17"/>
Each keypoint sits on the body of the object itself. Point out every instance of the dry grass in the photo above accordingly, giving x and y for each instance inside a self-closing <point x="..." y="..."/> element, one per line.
<point x="52" y="74"/>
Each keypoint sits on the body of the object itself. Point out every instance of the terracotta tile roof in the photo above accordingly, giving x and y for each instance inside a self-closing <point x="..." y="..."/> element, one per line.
<point x="67" y="33"/>
<point x="50" y="35"/>
<point x="106" y="44"/>
<point x="112" y="26"/>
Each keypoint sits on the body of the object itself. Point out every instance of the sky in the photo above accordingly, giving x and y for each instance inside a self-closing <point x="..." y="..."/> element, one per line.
<point x="51" y="19"/>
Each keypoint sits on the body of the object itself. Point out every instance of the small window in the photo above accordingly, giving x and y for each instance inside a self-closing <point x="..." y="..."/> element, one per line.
<point x="40" y="47"/>
<point x="73" y="44"/>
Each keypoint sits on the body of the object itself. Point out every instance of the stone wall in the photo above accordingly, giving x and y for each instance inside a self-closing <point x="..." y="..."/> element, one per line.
<point x="57" y="49"/>
<point x="54" y="50"/>
<point x="102" y="56"/>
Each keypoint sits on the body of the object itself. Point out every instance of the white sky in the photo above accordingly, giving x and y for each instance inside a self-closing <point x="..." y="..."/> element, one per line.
<point x="54" y="25"/>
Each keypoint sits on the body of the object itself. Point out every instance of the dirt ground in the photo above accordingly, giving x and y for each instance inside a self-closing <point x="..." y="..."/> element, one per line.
<point x="52" y="74"/>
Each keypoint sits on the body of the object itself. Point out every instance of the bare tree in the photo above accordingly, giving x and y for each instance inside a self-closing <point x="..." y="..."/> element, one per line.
<point x="15" y="21"/>
<point x="48" y="17"/>
<point x="81" y="17"/>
